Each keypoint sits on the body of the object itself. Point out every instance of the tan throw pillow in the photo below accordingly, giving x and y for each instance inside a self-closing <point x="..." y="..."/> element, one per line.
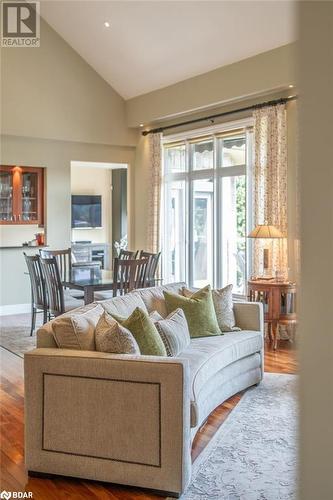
<point x="110" y="336"/>
<point x="174" y="332"/>
<point x="223" y="306"/>
<point x="77" y="331"/>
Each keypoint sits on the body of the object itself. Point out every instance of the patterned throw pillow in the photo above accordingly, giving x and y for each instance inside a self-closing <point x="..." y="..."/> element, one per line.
<point x="110" y="336"/>
<point x="199" y="311"/>
<point x="223" y="307"/>
<point x="174" y="332"/>
<point x="144" y="332"/>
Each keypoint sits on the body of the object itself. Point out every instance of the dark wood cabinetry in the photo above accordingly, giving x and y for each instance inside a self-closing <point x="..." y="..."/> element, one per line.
<point x="21" y="195"/>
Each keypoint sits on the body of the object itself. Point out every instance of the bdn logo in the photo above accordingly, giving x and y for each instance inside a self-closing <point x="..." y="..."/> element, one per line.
<point x="20" y="24"/>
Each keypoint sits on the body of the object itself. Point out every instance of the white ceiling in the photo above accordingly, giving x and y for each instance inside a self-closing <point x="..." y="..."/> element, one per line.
<point x="152" y="44"/>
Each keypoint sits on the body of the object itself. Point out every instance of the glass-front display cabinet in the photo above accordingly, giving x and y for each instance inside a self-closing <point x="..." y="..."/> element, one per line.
<point x="21" y="195"/>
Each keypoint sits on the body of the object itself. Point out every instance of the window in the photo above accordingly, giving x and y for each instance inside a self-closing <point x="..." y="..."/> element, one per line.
<point x="205" y="217"/>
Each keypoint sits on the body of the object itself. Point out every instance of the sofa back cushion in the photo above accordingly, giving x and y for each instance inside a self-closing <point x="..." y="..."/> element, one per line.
<point x="77" y="331"/>
<point x="123" y="305"/>
<point x="154" y="299"/>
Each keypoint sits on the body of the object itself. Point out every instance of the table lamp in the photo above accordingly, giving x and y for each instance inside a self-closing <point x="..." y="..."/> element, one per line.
<point x="265" y="231"/>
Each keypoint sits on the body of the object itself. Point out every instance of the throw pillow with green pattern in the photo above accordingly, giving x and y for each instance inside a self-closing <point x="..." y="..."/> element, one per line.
<point x="198" y="309"/>
<point x="144" y="332"/>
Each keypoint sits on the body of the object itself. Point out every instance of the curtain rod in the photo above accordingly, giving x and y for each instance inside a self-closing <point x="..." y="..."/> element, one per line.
<point x="282" y="100"/>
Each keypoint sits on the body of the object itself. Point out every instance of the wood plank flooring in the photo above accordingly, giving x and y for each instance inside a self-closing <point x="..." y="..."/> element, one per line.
<point x="13" y="476"/>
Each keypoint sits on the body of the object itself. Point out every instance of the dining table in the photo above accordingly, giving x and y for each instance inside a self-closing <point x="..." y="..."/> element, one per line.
<point x="89" y="280"/>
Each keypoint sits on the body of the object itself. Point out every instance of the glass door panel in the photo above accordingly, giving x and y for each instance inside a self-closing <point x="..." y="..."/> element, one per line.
<point x="6" y="196"/>
<point x="175" y="158"/>
<point x="203" y="155"/>
<point x="29" y="207"/>
<point x="174" y="262"/>
<point x="233" y="151"/>
<point x="203" y="232"/>
<point x="233" y="232"/>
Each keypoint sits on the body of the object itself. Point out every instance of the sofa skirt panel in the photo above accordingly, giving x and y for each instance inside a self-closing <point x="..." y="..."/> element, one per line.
<point x="225" y="383"/>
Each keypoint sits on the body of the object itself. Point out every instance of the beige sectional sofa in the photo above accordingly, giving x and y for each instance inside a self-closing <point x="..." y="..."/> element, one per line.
<point x="131" y="419"/>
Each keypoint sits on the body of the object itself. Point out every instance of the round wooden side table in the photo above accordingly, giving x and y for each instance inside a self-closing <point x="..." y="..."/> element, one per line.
<point x="279" y="301"/>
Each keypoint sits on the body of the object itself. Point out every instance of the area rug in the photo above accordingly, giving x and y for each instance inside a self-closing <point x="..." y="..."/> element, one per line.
<point x="15" y="333"/>
<point x="253" y="456"/>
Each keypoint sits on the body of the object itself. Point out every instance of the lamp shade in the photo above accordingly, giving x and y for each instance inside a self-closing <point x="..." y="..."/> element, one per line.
<point x="265" y="231"/>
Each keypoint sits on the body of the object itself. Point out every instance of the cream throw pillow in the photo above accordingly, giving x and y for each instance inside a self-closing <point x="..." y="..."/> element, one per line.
<point x="223" y="305"/>
<point x="110" y="336"/>
<point x="77" y="331"/>
<point x="174" y="332"/>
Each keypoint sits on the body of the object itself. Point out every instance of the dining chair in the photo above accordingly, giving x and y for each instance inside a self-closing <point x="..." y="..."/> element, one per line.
<point x="152" y="266"/>
<point x="128" y="275"/>
<point x="64" y="260"/>
<point x="128" y="254"/>
<point x="59" y="300"/>
<point x="38" y="292"/>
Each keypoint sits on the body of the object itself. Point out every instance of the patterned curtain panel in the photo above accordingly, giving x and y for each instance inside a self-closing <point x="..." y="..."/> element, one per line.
<point x="154" y="197"/>
<point x="270" y="185"/>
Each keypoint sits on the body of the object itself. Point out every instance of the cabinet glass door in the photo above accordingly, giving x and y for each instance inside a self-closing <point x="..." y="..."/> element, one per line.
<point x="6" y="196"/>
<point x="29" y="209"/>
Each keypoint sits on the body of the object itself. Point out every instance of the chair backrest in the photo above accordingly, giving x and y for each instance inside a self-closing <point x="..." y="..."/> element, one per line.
<point x="128" y="275"/>
<point x="38" y="291"/>
<point x="64" y="261"/>
<point x="152" y="266"/>
<point x="53" y="285"/>
<point x="127" y="254"/>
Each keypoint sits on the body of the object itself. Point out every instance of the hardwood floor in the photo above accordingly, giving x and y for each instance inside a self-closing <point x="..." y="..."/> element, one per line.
<point x="13" y="475"/>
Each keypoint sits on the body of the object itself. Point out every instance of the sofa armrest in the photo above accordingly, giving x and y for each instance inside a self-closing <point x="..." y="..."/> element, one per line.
<point x="249" y="316"/>
<point x="116" y="418"/>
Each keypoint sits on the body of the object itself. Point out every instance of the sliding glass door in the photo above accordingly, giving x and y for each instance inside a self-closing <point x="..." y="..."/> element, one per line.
<point x="206" y="209"/>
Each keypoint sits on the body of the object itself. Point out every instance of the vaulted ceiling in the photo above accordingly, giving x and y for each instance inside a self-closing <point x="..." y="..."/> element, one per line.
<point x="152" y="44"/>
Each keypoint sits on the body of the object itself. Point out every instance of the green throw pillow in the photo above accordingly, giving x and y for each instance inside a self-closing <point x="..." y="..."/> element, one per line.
<point x="199" y="311"/>
<point x="144" y="332"/>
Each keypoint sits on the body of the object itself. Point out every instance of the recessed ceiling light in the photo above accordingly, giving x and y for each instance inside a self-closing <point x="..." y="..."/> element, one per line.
<point x="291" y="86"/>
<point x="141" y="124"/>
<point x="107" y="24"/>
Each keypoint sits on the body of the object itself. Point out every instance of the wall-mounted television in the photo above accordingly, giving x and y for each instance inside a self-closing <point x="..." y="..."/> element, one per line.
<point x="86" y="211"/>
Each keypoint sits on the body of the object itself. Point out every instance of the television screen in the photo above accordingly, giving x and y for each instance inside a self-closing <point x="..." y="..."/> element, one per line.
<point x="86" y="211"/>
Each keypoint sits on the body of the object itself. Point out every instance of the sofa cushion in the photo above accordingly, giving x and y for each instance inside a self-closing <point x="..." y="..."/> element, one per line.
<point x="209" y="355"/>
<point x="110" y="336"/>
<point x="154" y="299"/>
<point x="144" y="332"/>
<point x="77" y="330"/>
<point x="223" y="304"/>
<point x="198" y="309"/>
<point x="123" y="305"/>
<point x="174" y="332"/>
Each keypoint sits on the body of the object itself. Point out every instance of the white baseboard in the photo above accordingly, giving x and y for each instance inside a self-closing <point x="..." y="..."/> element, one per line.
<point x="14" y="309"/>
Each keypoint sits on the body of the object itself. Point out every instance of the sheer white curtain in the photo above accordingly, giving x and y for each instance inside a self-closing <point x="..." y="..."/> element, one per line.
<point x="270" y="184"/>
<point x="154" y="194"/>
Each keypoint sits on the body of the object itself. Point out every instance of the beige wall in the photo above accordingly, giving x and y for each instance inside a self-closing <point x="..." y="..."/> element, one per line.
<point x="50" y="92"/>
<point x="94" y="181"/>
<point x="258" y="75"/>
<point x="55" y="109"/>
<point x="56" y="157"/>
<point x="316" y="182"/>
